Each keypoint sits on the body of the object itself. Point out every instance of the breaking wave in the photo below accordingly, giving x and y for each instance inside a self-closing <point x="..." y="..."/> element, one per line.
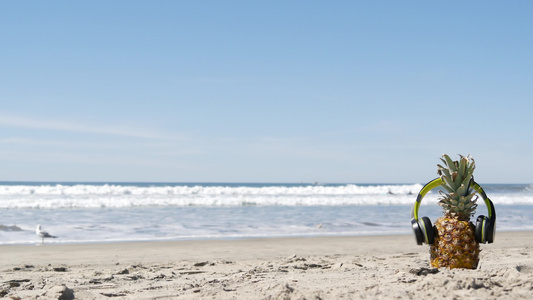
<point x="58" y="196"/>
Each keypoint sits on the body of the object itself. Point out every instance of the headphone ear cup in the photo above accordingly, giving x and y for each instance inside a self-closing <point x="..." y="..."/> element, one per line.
<point x="427" y="230"/>
<point x="491" y="230"/>
<point x="482" y="229"/>
<point x="419" y="235"/>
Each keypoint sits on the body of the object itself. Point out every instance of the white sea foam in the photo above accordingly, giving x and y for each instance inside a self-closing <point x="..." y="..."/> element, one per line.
<point x="109" y="189"/>
<point x="116" y="196"/>
<point x="85" y="196"/>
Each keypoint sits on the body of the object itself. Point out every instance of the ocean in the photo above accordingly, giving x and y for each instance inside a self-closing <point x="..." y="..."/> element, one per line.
<point x="125" y="212"/>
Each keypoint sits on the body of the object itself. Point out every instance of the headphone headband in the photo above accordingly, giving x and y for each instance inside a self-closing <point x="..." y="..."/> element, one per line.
<point x="438" y="182"/>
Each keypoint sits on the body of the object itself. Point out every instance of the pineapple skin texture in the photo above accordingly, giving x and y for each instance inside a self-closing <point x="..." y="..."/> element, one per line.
<point x="455" y="244"/>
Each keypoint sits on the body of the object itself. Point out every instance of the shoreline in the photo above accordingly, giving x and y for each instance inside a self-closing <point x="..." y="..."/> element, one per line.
<point x="377" y="267"/>
<point x="263" y="248"/>
<point x="60" y="242"/>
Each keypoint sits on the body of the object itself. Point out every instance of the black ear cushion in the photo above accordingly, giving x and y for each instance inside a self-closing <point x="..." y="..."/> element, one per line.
<point x="482" y="229"/>
<point x="427" y="230"/>
<point x="419" y="236"/>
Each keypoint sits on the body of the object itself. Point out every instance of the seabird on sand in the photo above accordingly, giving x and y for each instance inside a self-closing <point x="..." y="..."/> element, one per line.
<point x="43" y="234"/>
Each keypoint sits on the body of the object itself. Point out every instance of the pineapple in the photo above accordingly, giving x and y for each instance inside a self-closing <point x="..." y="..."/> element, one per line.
<point x="455" y="244"/>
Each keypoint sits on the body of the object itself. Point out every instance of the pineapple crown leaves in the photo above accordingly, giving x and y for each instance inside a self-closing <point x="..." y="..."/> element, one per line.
<point x="458" y="200"/>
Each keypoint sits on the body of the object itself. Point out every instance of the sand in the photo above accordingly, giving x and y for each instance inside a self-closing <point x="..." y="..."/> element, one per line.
<point x="370" y="267"/>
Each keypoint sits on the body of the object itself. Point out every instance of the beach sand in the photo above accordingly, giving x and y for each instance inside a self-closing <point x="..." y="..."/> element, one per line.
<point x="368" y="267"/>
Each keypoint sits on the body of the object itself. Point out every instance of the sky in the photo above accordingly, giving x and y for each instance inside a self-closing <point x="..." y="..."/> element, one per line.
<point x="264" y="91"/>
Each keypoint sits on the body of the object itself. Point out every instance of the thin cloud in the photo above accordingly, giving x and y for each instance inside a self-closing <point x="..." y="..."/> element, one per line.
<point x="213" y="80"/>
<point x="66" y="126"/>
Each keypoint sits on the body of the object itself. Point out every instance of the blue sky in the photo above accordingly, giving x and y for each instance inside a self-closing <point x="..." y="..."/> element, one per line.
<point x="264" y="91"/>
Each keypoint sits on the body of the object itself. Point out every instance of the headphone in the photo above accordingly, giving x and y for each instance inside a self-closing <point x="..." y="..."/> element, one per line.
<point x="423" y="228"/>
